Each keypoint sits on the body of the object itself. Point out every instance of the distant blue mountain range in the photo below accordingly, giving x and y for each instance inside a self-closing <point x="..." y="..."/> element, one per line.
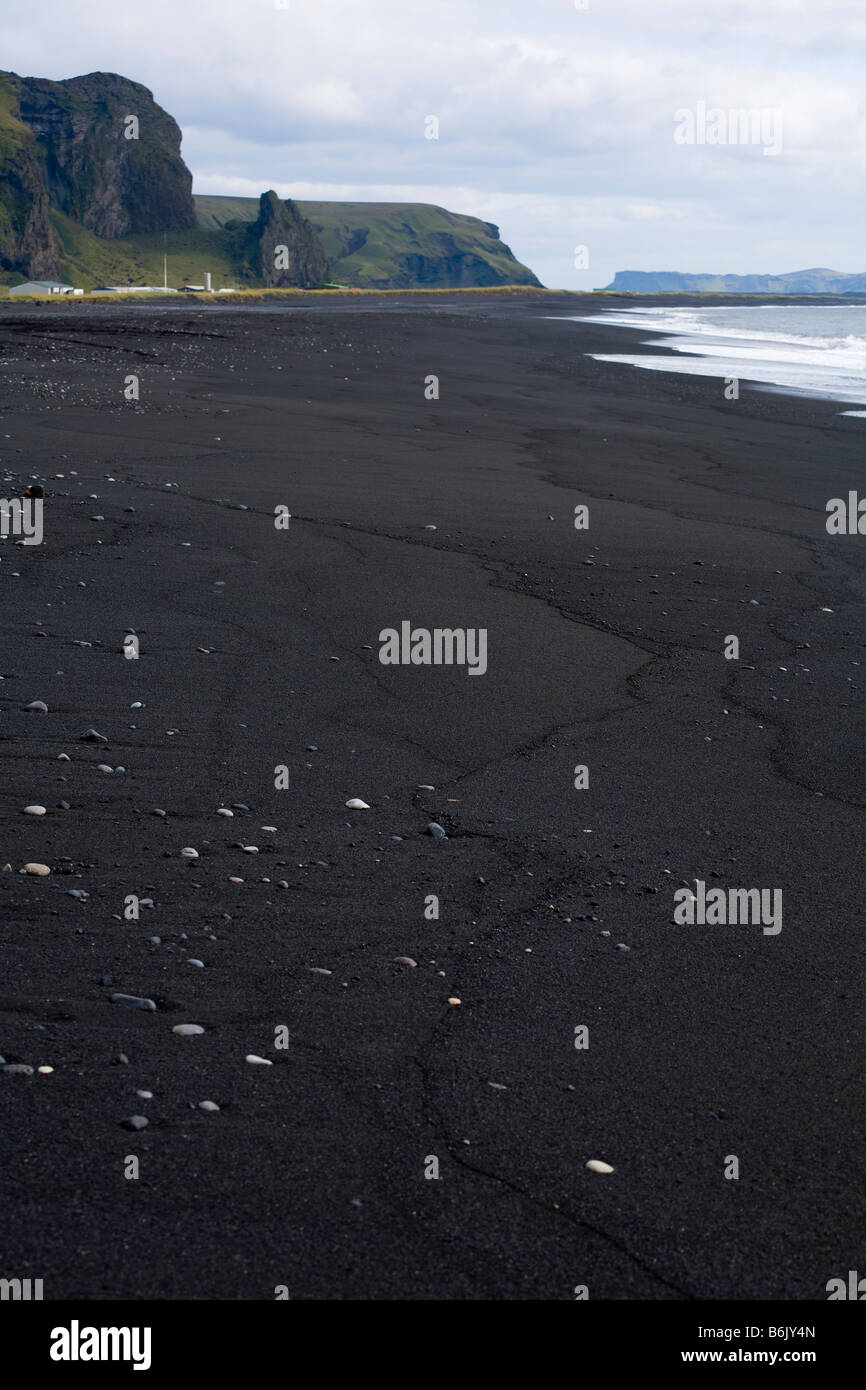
<point x="816" y="281"/>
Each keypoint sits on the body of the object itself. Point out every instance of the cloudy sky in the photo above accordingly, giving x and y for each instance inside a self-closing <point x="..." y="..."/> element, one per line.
<point x="556" y="117"/>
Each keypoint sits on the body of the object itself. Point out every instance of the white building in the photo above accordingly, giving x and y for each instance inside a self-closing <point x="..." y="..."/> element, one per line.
<point x="132" y="289"/>
<point x="41" y="287"/>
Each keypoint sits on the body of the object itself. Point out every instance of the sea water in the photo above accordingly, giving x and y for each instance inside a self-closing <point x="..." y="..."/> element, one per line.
<point x="801" y="349"/>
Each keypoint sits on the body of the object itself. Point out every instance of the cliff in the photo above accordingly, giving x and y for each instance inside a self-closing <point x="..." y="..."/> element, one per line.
<point x="280" y="248"/>
<point x="93" y="189"/>
<point x="394" y="245"/>
<point x="97" y="149"/>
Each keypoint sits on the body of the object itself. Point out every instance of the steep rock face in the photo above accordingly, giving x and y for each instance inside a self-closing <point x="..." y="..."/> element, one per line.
<point x="112" y="185"/>
<point x="27" y="240"/>
<point x="393" y="245"/>
<point x="281" y="248"/>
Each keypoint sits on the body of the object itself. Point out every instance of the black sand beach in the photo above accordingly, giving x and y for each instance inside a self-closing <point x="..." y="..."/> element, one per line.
<point x="605" y="649"/>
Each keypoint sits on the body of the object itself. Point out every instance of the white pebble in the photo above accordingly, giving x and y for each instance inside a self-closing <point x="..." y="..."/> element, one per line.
<point x="39" y="870"/>
<point x="596" y="1166"/>
<point x="187" y="1030"/>
<point x="224" y="811"/>
<point x="209" y="1105"/>
<point x="189" y="853"/>
<point x="34" y="810"/>
<point x="258" y="1061"/>
<point x="354" y="804"/>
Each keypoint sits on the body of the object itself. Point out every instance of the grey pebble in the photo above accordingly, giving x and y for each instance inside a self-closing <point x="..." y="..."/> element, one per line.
<point x="435" y="829"/>
<point x="18" y="1069"/>
<point x="92" y="736"/>
<point x="78" y="893"/>
<point x="136" y="1122"/>
<point x="37" y="706"/>
<point x="134" y="1001"/>
<point x="192" y="961"/>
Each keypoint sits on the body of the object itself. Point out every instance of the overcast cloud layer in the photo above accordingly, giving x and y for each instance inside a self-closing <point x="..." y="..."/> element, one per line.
<point x="556" y="122"/>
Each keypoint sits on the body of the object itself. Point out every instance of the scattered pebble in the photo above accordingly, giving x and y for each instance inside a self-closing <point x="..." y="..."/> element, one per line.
<point x="193" y="961"/>
<point x="39" y="870"/>
<point x="45" y="1071"/>
<point x="596" y="1166"/>
<point x="319" y="970"/>
<point x="209" y="1105"/>
<point x="136" y="1122"/>
<point x="355" y="804"/>
<point x="91" y="736"/>
<point x="34" y="810"/>
<point x="134" y="1001"/>
<point x="18" y="1069"/>
<point x="187" y="1030"/>
<point x="37" y="707"/>
<point x="63" y="758"/>
<point x="189" y="853"/>
<point x="405" y="960"/>
<point x="145" y="1095"/>
<point x="435" y="829"/>
<point x="258" y="1061"/>
<point x="224" y="811"/>
<point x="455" y="1001"/>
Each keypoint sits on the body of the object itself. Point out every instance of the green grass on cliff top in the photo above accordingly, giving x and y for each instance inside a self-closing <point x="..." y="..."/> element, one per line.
<point x="393" y="231"/>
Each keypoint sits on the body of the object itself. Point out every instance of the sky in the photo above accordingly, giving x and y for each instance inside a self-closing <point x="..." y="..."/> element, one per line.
<point x="574" y="125"/>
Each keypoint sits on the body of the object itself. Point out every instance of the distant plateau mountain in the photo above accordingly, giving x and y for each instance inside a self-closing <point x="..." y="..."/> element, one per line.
<point x="817" y="281"/>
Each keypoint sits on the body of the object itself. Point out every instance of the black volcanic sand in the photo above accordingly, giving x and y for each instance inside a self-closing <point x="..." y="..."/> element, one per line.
<point x="707" y="518"/>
